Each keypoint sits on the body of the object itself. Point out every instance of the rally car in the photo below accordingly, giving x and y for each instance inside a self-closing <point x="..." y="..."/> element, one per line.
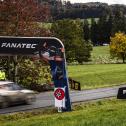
<point x="11" y="93"/>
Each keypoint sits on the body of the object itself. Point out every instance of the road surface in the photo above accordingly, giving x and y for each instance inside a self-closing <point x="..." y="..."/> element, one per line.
<point x="46" y="99"/>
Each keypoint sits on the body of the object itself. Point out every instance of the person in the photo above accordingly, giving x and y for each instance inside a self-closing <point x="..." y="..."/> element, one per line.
<point x="2" y="75"/>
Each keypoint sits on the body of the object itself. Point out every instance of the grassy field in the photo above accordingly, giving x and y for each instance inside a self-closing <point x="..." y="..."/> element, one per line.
<point x="101" y="55"/>
<point x="98" y="75"/>
<point x="100" y="51"/>
<point x="101" y="113"/>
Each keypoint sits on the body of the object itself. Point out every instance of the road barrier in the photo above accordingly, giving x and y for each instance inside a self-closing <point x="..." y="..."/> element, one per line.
<point x="121" y="93"/>
<point x="74" y="84"/>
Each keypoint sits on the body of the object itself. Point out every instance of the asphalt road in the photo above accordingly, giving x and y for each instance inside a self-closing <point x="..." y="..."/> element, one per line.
<point x="46" y="99"/>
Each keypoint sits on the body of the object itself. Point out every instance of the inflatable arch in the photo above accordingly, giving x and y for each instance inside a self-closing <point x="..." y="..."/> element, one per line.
<point x="50" y="49"/>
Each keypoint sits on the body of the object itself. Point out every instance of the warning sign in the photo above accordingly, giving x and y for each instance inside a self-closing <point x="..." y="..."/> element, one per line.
<point x="59" y="94"/>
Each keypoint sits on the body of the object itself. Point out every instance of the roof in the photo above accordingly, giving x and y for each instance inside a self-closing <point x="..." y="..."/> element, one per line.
<point x="5" y="82"/>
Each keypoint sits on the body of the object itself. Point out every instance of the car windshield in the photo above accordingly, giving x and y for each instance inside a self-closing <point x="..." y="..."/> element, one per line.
<point x="10" y="86"/>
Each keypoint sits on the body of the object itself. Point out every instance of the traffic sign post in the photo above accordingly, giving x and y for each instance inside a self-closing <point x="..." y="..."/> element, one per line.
<point x="59" y="94"/>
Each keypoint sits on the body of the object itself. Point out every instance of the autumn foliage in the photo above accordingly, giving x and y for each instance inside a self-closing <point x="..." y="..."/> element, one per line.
<point x="118" y="46"/>
<point x="21" y="17"/>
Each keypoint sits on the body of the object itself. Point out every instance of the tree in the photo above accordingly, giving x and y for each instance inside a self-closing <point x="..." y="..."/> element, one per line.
<point x="118" y="46"/>
<point x="119" y="21"/>
<point x="104" y="29"/>
<point x="109" y="25"/>
<point x="86" y="30"/>
<point x="20" y="17"/>
<point x="83" y="53"/>
<point x="71" y="33"/>
<point x="94" y="32"/>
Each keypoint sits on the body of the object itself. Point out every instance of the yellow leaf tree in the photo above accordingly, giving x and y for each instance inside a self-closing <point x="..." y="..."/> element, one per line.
<point x="118" y="46"/>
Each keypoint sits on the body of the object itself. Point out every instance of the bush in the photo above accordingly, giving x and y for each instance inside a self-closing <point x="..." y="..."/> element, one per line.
<point x="31" y="74"/>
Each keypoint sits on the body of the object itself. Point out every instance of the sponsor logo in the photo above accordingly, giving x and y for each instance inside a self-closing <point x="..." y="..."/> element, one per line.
<point x="18" y="45"/>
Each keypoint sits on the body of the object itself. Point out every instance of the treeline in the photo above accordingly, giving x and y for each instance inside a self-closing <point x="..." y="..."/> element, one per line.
<point x="101" y="21"/>
<point x="99" y="31"/>
<point x="88" y="10"/>
<point x="66" y="9"/>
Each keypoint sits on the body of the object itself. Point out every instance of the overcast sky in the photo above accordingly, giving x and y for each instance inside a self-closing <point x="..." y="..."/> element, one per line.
<point x="105" y="1"/>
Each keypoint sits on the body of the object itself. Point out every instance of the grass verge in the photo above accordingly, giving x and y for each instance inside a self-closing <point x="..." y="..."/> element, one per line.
<point x="101" y="113"/>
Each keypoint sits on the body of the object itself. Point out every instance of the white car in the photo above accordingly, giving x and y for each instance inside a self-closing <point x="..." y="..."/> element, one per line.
<point x="11" y="93"/>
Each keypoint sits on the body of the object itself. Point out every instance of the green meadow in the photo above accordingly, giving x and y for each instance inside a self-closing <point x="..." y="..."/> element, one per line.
<point x="100" y="51"/>
<point x="102" y="72"/>
<point x="101" y="55"/>
<point x="98" y="75"/>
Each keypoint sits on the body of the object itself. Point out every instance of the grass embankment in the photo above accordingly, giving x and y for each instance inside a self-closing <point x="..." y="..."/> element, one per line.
<point x="100" y="113"/>
<point x="98" y="75"/>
